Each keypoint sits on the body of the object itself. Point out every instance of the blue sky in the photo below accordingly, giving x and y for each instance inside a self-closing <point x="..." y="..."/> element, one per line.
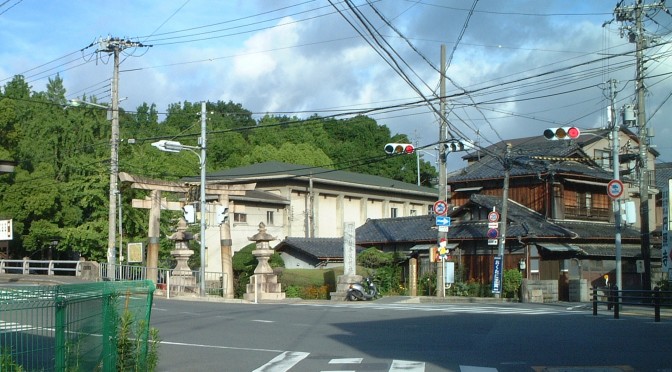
<point x="303" y="57"/>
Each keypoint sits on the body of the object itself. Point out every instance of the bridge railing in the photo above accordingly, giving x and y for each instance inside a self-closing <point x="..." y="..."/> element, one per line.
<point x="41" y="267"/>
<point x="169" y="282"/>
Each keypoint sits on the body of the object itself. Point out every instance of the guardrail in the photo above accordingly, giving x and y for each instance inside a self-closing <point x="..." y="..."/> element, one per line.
<point x="44" y="267"/>
<point x="615" y="298"/>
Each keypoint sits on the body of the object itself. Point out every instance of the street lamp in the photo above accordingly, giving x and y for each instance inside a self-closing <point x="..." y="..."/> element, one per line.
<point x="174" y="146"/>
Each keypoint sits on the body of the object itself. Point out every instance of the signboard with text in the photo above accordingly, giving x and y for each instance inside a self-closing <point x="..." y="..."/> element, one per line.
<point x="497" y="275"/>
<point x="5" y="229"/>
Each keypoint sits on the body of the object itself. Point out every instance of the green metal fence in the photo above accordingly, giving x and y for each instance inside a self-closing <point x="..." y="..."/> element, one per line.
<point x="75" y="327"/>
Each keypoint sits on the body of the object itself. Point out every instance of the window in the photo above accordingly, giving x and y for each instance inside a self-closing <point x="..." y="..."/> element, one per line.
<point x="584" y="201"/>
<point x="603" y="158"/>
<point x="269" y="218"/>
<point x="240" y="217"/>
<point x="414" y="212"/>
<point x="393" y="212"/>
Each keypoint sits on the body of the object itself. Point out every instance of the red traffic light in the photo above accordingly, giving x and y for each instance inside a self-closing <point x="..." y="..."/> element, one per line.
<point x="399" y="148"/>
<point x="562" y="133"/>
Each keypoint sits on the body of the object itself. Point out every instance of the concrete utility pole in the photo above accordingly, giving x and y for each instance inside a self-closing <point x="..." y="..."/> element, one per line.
<point x="616" y="203"/>
<point x="630" y="14"/>
<point x="501" y="244"/>
<point x="443" y="188"/>
<point x="114" y="46"/>
<point x="643" y="150"/>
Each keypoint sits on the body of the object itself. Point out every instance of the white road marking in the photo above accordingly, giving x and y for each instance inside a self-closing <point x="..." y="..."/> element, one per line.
<point x="282" y="362"/>
<point x="262" y="321"/>
<point x="407" y="365"/>
<point x="346" y="361"/>
<point x="477" y="369"/>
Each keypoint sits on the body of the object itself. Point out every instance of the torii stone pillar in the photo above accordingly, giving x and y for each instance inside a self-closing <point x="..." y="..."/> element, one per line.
<point x="155" y="204"/>
<point x="264" y="282"/>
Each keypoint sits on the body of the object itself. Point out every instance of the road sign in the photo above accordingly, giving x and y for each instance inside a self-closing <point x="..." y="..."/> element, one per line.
<point x="493" y="225"/>
<point x="444" y="228"/>
<point x="442" y="221"/>
<point x="492" y="233"/>
<point x="493" y="242"/>
<point x="615" y="189"/>
<point x="440" y="207"/>
<point x="493" y="216"/>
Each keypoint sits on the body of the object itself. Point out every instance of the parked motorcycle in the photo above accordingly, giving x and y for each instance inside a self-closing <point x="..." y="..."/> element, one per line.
<point x="363" y="291"/>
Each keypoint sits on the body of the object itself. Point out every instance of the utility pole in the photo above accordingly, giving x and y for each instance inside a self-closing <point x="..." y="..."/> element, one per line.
<point x="616" y="204"/>
<point x="505" y="211"/>
<point x="443" y="188"/>
<point x="114" y="46"/>
<point x="635" y="34"/>
<point x="643" y="150"/>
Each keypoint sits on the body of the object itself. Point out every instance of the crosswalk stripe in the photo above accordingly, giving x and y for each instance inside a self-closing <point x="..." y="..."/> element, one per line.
<point x="407" y="366"/>
<point x="477" y="369"/>
<point x="282" y="362"/>
<point x="346" y="361"/>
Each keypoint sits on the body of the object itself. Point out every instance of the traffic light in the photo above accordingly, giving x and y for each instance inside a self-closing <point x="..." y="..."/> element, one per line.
<point x="399" y="148"/>
<point x="562" y="133"/>
<point x="455" y="145"/>
<point x="221" y="214"/>
<point x="189" y="213"/>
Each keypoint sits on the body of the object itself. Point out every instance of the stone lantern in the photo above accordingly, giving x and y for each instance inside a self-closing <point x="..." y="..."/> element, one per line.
<point x="182" y="276"/>
<point x="264" y="283"/>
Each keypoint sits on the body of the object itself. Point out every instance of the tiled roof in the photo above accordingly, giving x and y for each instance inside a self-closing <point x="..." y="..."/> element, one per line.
<point x="319" y="248"/>
<point x="598" y="230"/>
<point x="607" y="250"/>
<point x="397" y="230"/>
<point x="663" y="174"/>
<point x="279" y="170"/>
<point x="530" y="156"/>
<point x="523" y="222"/>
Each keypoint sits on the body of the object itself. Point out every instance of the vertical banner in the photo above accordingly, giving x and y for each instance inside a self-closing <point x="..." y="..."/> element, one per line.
<point x="449" y="273"/>
<point x="666" y="254"/>
<point x="497" y="275"/>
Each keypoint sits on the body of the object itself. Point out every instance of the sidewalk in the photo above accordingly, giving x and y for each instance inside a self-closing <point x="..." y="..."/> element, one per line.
<point x="646" y="311"/>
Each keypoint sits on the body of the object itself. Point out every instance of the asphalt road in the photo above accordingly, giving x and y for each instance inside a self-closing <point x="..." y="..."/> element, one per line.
<point x="376" y="336"/>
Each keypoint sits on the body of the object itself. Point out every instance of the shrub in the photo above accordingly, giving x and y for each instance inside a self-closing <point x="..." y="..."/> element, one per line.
<point x="293" y="291"/>
<point x="511" y="283"/>
<point x="315" y="292"/>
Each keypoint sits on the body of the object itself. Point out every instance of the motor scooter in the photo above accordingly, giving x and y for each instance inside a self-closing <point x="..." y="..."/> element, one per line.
<point x="365" y="291"/>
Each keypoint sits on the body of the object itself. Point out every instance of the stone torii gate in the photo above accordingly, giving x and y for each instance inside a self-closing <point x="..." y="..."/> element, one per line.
<point x="155" y="204"/>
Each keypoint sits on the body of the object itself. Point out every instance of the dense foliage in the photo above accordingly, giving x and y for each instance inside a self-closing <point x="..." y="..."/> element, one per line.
<point x="60" y="189"/>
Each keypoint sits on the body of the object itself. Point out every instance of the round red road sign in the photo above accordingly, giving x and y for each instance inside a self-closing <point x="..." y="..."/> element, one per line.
<point x="615" y="189"/>
<point x="440" y="207"/>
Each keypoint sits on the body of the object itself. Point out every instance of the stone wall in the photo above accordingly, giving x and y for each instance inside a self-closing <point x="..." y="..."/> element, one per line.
<point x="539" y="290"/>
